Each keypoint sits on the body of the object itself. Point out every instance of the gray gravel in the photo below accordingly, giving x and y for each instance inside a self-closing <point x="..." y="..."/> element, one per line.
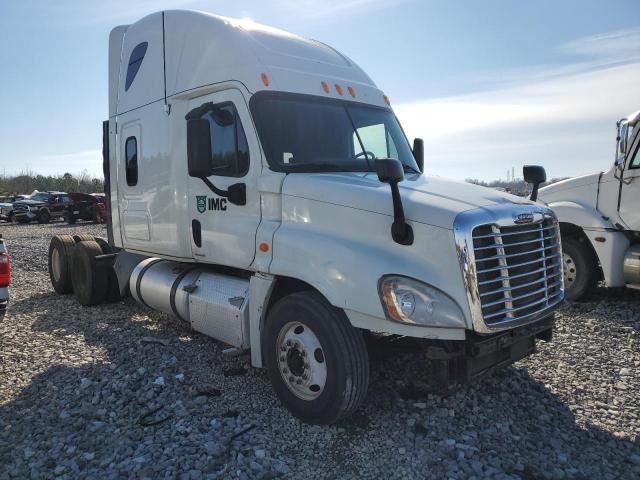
<point x="81" y="389"/>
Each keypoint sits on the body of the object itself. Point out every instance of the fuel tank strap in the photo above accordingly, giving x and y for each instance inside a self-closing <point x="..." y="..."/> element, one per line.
<point x="174" y="289"/>
<point x="139" y="279"/>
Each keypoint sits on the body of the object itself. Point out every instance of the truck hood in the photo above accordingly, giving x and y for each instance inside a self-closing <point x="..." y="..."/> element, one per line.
<point x="29" y="203"/>
<point x="560" y="190"/>
<point x="426" y="199"/>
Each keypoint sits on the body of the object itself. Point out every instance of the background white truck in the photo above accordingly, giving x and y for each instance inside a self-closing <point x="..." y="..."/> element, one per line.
<point x="599" y="218"/>
<point x="262" y="190"/>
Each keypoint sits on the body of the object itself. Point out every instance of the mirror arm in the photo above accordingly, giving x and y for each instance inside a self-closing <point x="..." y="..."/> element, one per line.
<point x="237" y="198"/>
<point x="401" y="231"/>
<point x="534" y="192"/>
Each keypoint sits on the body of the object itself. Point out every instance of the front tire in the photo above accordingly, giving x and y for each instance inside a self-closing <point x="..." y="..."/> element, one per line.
<point x="44" y="216"/>
<point x="580" y="269"/>
<point x="316" y="360"/>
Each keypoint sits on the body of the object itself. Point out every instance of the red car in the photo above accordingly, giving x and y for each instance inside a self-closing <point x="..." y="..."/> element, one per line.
<point x="88" y="207"/>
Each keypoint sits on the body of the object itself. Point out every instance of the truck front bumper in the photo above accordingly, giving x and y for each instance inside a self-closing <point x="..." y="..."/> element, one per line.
<point x="480" y="355"/>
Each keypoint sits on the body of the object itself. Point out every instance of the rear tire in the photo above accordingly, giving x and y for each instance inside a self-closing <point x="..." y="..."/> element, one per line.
<point x="580" y="269"/>
<point x="70" y="218"/>
<point x="316" y="360"/>
<point x="83" y="237"/>
<point x="60" y="251"/>
<point x="89" y="282"/>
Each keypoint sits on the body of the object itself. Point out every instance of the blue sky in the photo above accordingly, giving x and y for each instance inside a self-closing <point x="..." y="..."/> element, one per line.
<point x="488" y="84"/>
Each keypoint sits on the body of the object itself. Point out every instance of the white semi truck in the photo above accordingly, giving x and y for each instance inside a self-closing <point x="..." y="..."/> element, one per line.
<point x="262" y="190"/>
<point x="600" y="219"/>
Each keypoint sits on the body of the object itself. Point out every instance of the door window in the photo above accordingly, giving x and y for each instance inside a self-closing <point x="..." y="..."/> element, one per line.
<point x="131" y="161"/>
<point x="229" y="149"/>
<point x="635" y="162"/>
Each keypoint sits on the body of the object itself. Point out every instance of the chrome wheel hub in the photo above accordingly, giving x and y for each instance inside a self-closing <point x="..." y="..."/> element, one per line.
<point x="301" y="361"/>
<point x="569" y="271"/>
<point x="56" y="264"/>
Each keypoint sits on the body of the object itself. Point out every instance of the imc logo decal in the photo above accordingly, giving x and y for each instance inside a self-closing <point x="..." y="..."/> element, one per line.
<point x="203" y="203"/>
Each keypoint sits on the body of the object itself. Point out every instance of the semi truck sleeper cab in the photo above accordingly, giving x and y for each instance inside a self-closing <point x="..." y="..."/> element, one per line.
<point x="261" y="189"/>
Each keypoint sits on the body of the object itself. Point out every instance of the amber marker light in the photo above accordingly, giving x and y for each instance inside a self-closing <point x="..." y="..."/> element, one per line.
<point x="264" y="247"/>
<point x="325" y="87"/>
<point x="338" y="89"/>
<point x="265" y="79"/>
<point x="387" y="294"/>
<point x="352" y="92"/>
<point x="386" y="100"/>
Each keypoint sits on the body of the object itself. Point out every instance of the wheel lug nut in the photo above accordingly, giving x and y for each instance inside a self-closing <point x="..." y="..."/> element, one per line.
<point x="291" y="379"/>
<point x="305" y="376"/>
<point x="285" y="370"/>
<point x="282" y="358"/>
<point x="289" y="343"/>
<point x="299" y="381"/>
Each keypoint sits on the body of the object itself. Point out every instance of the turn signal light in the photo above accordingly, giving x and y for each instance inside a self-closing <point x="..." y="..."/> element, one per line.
<point x="5" y="270"/>
<point x="264" y="247"/>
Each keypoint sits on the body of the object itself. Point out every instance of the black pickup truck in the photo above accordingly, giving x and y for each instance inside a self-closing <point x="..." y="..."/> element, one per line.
<point x="42" y="206"/>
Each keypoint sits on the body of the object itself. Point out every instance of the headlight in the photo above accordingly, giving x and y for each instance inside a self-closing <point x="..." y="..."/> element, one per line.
<point x="407" y="300"/>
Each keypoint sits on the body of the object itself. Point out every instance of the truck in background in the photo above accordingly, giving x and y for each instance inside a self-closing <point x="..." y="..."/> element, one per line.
<point x="600" y="220"/>
<point x="261" y="189"/>
<point x="5" y="277"/>
<point x="42" y="207"/>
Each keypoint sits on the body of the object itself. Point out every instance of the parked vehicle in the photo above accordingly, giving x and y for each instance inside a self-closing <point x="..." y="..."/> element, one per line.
<point x="600" y="220"/>
<point x="100" y="209"/>
<point x="87" y="207"/>
<point x="42" y="206"/>
<point x="6" y="206"/>
<point x="265" y="194"/>
<point x="5" y="277"/>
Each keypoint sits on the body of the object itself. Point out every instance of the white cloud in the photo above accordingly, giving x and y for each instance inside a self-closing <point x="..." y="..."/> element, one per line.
<point x="549" y="115"/>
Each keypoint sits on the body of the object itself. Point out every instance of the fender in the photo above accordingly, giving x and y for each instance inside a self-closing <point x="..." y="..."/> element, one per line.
<point x="609" y="244"/>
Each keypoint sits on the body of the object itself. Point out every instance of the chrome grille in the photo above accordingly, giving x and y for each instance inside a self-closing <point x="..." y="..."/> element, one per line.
<point x="518" y="270"/>
<point x="20" y="208"/>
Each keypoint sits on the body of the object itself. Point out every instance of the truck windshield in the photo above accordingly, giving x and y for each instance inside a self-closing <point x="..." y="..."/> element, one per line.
<point x="303" y="133"/>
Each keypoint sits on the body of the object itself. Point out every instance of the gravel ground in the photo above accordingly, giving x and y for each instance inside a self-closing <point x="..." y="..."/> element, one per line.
<point x="84" y="394"/>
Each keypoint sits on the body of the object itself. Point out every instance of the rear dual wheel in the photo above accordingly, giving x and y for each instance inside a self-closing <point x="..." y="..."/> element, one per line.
<point x="73" y="269"/>
<point x="316" y="360"/>
<point x="60" y="250"/>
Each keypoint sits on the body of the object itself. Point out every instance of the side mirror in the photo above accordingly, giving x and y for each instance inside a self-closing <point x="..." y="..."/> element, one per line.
<point x="390" y="171"/>
<point x="535" y="175"/>
<point x="418" y="153"/>
<point x="199" y="156"/>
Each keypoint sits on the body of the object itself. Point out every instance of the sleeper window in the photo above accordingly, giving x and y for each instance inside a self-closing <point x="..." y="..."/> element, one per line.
<point x="135" y="60"/>
<point x="131" y="161"/>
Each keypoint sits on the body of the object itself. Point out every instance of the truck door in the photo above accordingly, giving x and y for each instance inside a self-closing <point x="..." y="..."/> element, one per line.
<point x="630" y="189"/>
<point x="223" y="232"/>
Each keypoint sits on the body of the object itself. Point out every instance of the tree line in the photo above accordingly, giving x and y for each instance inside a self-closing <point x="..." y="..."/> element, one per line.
<point x="27" y="182"/>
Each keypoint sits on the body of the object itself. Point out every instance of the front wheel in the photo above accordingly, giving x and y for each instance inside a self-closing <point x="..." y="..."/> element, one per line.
<point x="316" y="361"/>
<point x="580" y="269"/>
<point x="44" y="216"/>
